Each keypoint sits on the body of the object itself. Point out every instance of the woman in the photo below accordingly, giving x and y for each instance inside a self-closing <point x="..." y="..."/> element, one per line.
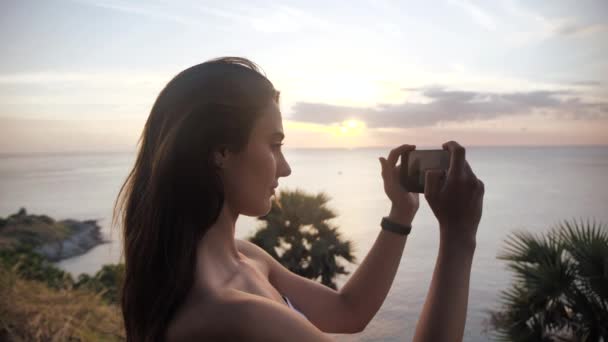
<point x="211" y="151"/>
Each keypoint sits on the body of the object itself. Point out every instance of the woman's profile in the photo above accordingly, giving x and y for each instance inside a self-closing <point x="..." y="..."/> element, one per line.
<point x="211" y="151"/>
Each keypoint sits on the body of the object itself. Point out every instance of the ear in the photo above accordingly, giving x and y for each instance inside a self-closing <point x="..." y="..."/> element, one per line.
<point x="220" y="156"/>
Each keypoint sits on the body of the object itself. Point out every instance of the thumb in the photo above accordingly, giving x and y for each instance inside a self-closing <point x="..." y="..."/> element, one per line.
<point x="385" y="172"/>
<point x="433" y="182"/>
<point x="382" y="163"/>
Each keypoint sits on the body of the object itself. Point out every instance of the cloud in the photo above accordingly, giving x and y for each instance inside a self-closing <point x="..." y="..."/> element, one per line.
<point x="150" y="10"/>
<point x="267" y="19"/>
<point x="455" y="106"/>
<point x="272" y="18"/>
<point x="85" y="78"/>
<point x="534" y="26"/>
<point x="576" y="29"/>
<point x="67" y="95"/>
<point x="49" y="135"/>
<point x="482" y="18"/>
<point x="589" y="83"/>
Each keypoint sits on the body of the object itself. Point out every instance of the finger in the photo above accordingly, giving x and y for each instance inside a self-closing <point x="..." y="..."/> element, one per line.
<point x="396" y="152"/>
<point x="415" y="196"/>
<point x="396" y="172"/>
<point x="433" y="182"/>
<point x="467" y="167"/>
<point x="469" y="172"/>
<point x="457" y="157"/>
<point x="382" y="163"/>
<point x="481" y="187"/>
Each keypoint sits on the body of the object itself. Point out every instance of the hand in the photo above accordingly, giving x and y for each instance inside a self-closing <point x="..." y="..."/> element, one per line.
<point x="404" y="204"/>
<point x="456" y="200"/>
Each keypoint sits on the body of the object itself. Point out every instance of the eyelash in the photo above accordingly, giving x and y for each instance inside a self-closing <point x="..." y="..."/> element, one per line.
<point x="277" y="145"/>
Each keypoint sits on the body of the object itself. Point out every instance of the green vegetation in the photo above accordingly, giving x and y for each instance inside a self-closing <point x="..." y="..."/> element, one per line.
<point x="31" y="311"/>
<point x="297" y="234"/>
<point x="32" y="266"/>
<point x="106" y="282"/>
<point x="560" y="292"/>
<point x="29" y="265"/>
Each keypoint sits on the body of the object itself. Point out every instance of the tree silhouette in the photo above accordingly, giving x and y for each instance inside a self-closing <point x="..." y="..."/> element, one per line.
<point x="560" y="291"/>
<point x="296" y="233"/>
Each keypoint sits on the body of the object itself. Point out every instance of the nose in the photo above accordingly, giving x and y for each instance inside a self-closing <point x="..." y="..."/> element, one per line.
<point x="283" y="168"/>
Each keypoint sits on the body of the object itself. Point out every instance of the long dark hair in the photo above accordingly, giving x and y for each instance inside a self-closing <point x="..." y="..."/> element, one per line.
<point x="174" y="193"/>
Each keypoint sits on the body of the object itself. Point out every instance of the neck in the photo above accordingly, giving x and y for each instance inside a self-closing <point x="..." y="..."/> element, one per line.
<point x="217" y="258"/>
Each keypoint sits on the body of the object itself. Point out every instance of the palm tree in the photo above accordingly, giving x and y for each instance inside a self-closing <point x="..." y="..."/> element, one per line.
<point x="296" y="233"/>
<point x="560" y="292"/>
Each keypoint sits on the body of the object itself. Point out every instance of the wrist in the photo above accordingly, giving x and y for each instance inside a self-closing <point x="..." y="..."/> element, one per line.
<point x="394" y="227"/>
<point x="400" y="216"/>
<point x="454" y="240"/>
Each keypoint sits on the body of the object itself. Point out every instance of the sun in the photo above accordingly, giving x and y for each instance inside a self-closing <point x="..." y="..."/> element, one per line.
<point x="350" y="127"/>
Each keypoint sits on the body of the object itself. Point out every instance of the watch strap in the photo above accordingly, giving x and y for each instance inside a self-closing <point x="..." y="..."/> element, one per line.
<point x="397" y="228"/>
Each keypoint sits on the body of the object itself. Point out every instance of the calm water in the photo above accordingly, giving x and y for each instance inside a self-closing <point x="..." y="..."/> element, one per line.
<point x="530" y="188"/>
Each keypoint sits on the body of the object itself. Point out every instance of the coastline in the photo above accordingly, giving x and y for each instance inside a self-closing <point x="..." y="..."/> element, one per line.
<point x="53" y="240"/>
<point x="85" y="235"/>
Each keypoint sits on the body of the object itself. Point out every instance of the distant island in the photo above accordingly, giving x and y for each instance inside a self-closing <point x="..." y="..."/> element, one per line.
<point x="54" y="240"/>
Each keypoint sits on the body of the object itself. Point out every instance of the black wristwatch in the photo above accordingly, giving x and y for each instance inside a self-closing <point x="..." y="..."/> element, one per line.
<point x="397" y="228"/>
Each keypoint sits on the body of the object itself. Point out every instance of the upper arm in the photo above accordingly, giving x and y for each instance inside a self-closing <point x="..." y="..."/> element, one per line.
<point x="265" y="320"/>
<point x="246" y="317"/>
<point x="323" y="306"/>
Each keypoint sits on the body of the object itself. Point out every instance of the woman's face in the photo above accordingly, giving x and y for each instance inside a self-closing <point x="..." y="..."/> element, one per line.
<point x="251" y="175"/>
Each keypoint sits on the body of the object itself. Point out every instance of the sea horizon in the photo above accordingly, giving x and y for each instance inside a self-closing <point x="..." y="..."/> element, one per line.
<point x="287" y="148"/>
<point x="527" y="188"/>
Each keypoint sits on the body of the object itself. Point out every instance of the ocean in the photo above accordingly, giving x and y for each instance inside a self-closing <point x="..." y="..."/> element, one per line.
<point x="527" y="188"/>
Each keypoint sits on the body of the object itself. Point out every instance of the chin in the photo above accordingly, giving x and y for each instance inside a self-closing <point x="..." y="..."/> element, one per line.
<point x="262" y="209"/>
<point x="268" y="207"/>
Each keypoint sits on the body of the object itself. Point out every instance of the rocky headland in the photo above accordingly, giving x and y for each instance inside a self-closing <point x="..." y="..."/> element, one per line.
<point x="54" y="240"/>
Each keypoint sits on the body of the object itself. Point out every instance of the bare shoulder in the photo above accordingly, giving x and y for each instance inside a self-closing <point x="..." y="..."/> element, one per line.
<point x="235" y="315"/>
<point x="250" y="249"/>
<point x="256" y="253"/>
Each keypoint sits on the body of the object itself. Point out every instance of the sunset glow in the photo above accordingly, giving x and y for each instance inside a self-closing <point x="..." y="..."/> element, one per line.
<point x="350" y="128"/>
<point x="539" y="80"/>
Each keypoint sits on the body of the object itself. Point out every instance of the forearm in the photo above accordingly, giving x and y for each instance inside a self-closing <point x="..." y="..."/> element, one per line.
<point x="367" y="288"/>
<point x="445" y="309"/>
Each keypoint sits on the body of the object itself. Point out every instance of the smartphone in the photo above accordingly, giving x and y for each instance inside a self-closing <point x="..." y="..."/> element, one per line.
<point x="415" y="163"/>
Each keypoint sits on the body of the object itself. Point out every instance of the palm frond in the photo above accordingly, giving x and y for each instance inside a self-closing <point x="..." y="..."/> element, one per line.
<point x="526" y="247"/>
<point x="297" y="233"/>
<point x="587" y="243"/>
<point x="560" y="285"/>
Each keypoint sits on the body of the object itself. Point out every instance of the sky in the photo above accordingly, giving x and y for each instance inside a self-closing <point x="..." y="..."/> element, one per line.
<point x="82" y="75"/>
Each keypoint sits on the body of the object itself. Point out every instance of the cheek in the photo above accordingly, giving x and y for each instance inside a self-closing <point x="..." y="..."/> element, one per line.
<point x="265" y="162"/>
<point x="258" y="173"/>
<point x="252" y="187"/>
